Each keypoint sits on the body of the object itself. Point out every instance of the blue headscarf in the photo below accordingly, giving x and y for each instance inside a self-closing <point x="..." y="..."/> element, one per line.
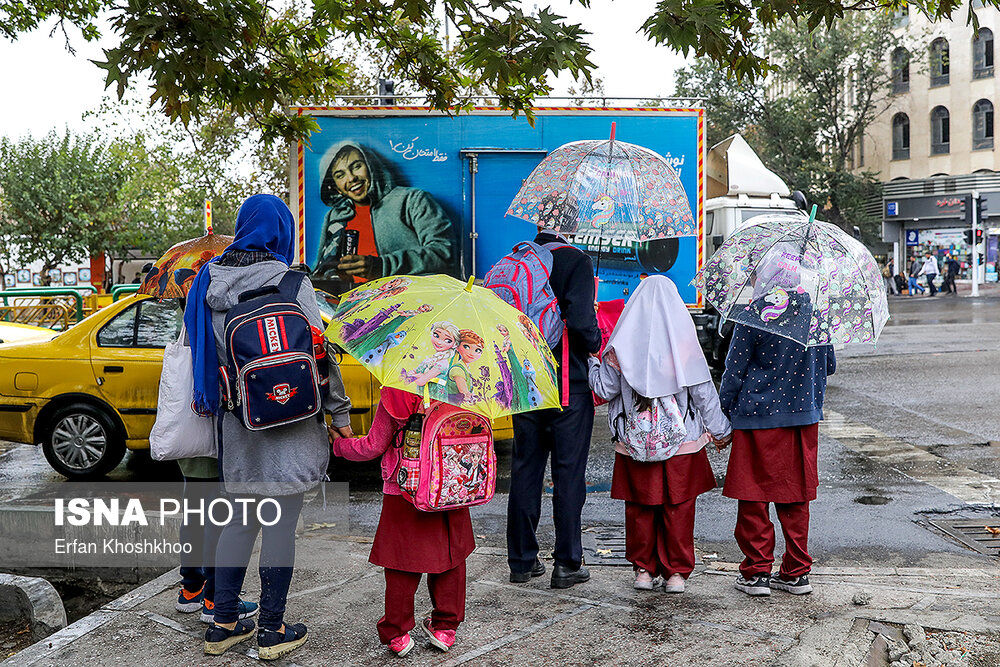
<point x="263" y="224"/>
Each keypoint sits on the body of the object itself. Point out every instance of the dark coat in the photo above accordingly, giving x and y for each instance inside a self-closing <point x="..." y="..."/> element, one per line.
<point x="773" y="382"/>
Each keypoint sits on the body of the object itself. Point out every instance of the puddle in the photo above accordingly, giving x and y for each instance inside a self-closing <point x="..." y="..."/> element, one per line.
<point x="872" y="500"/>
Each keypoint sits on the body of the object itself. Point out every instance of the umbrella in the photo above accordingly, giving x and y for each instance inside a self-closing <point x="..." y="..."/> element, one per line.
<point x="173" y="273"/>
<point x="459" y="342"/>
<point x="611" y="189"/>
<point x="799" y="278"/>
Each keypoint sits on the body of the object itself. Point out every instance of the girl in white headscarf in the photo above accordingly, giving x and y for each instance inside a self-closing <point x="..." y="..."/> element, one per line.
<point x="663" y="409"/>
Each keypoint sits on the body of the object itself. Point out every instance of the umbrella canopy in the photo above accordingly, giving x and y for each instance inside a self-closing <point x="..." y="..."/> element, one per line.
<point x="807" y="281"/>
<point x="460" y="342"/>
<point x="173" y="273"/>
<point x="610" y="189"/>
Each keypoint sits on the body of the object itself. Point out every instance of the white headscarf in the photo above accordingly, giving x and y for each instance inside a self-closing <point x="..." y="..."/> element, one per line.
<point x="656" y="342"/>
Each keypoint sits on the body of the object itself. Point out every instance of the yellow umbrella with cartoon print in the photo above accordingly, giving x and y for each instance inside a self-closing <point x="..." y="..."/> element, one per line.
<point x="458" y="341"/>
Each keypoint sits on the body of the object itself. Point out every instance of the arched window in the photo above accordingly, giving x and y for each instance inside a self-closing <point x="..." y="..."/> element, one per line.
<point x="940" y="68"/>
<point x="940" y="131"/>
<point x="982" y="124"/>
<point x="982" y="54"/>
<point x="900" y="137"/>
<point x="900" y="70"/>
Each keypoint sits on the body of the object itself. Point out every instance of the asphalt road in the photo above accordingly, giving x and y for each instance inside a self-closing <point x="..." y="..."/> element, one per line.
<point x="929" y="387"/>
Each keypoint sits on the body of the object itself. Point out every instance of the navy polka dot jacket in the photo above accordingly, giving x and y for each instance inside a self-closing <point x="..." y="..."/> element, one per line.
<point x="772" y="382"/>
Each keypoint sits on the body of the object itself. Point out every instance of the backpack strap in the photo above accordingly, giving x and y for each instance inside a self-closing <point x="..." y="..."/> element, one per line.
<point x="565" y="366"/>
<point x="290" y="284"/>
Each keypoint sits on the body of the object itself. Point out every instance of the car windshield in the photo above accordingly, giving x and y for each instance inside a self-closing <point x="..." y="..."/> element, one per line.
<point x="747" y="214"/>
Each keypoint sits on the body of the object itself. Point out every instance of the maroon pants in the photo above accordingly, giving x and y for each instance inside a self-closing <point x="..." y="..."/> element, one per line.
<point x="660" y="538"/>
<point x="447" y="595"/>
<point x="755" y="535"/>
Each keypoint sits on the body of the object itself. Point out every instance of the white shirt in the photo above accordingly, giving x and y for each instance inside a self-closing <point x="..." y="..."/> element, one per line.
<point x="930" y="266"/>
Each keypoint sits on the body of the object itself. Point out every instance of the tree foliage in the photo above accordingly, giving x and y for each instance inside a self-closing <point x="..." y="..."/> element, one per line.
<point x="256" y="58"/>
<point x="808" y="117"/>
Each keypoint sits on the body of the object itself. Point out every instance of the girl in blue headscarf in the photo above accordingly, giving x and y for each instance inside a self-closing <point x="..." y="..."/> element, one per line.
<point x="281" y="462"/>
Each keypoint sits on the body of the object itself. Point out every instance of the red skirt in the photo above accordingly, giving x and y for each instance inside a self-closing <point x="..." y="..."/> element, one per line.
<point x="674" y="481"/>
<point x="414" y="541"/>
<point x="775" y="465"/>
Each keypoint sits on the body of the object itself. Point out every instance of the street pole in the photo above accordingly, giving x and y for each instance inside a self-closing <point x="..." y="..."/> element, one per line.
<point x="975" y="246"/>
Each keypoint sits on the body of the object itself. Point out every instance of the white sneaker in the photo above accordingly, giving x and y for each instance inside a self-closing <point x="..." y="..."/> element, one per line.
<point x="643" y="580"/>
<point x="675" y="584"/>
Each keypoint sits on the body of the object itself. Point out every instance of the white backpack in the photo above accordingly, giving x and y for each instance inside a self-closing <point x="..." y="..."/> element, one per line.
<point x="651" y="435"/>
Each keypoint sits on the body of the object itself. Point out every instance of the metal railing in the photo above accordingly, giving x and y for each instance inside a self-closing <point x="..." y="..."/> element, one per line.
<point x="50" y="314"/>
<point x="40" y="295"/>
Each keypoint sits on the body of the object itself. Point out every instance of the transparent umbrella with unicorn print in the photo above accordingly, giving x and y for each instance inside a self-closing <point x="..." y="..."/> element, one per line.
<point x="802" y="279"/>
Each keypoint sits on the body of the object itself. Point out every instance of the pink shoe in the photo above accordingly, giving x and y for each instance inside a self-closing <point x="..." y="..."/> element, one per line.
<point x="402" y="645"/>
<point x="442" y="639"/>
<point x="675" y="584"/>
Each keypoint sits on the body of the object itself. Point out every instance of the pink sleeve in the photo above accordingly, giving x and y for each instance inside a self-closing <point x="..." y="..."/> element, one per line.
<point x="379" y="439"/>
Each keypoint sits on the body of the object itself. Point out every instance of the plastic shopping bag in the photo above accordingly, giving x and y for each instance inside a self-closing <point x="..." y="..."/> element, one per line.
<point x="179" y="432"/>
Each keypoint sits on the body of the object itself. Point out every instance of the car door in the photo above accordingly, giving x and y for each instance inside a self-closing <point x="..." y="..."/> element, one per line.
<point x="127" y="356"/>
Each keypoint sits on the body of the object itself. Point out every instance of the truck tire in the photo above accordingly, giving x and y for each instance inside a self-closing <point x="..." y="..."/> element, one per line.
<point x="83" y="442"/>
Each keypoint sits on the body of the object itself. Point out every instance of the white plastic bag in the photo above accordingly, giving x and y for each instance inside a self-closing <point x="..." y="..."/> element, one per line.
<point x="179" y="432"/>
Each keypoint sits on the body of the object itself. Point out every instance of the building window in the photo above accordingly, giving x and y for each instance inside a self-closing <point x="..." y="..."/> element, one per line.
<point x="900" y="70"/>
<point x="940" y="131"/>
<point x="982" y="54"/>
<point x="982" y="124"/>
<point x="940" y="67"/>
<point x="900" y="137"/>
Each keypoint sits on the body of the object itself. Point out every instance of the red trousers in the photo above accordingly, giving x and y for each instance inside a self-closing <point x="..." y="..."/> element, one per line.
<point x="755" y="535"/>
<point x="660" y="538"/>
<point x="447" y="595"/>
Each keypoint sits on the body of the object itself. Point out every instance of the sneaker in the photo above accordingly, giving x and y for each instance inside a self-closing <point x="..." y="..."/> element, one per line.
<point x="537" y="570"/>
<point x="218" y="640"/>
<point x="442" y="639"/>
<point x="644" y="581"/>
<point x="402" y="645"/>
<point x="795" y="585"/>
<point x="564" y="577"/>
<point x="187" y="602"/>
<point x="674" y="584"/>
<point x="246" y="609"/>
<point x="755" y="586"/>
<point x="272" y="644"/>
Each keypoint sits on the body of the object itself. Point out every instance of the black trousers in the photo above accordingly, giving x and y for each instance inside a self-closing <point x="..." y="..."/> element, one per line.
<point x="198" y="567"/>
<point x="566" y="435"/>
<point x="931" y="277"/>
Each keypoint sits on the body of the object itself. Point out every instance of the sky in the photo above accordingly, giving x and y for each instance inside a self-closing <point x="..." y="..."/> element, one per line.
<point x="45" y="87"/>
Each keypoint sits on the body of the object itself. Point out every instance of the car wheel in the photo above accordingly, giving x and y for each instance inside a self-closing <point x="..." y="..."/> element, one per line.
<point x="83" y="442"/>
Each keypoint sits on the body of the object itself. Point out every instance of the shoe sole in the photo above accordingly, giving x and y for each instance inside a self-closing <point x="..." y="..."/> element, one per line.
<point x="437" y="643"/>
<point x="187" y="607"/>
<point x="754" y="591"/>
<point x="567" y="583"/>
<point x="210" y="618"/>
<point x="643" y="586"/>
<point x="794" y="590"/>
<point x="673" y="590"/>
<point x="406" y="651"/>
<point x="525" y="577"/>
<point x="278" y="650"/>
<point x="218" y="648"/>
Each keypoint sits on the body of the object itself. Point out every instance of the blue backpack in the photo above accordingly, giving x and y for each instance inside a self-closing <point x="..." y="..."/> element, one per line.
<point x="521" y="278"/>
<point x="274" y="374"/>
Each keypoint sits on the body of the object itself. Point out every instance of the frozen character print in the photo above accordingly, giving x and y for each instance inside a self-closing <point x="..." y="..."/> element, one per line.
<point x="444" y="340"/>
<point x="375" y="357"/>
<point x="459" y="383"/>
<point x="531" y="332"/>
<point x="373" y="335"/>
<point x="509" y="365"/>
<point x="359" y="298"/>
<point x="534" y="396"/>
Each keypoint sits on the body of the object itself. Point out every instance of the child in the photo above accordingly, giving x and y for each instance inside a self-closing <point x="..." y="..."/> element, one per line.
<point x="459" y="385"/>
<point x="772" y="391"/>
<point x="409" y="542"/>
<point x="444" y="339"/>
<point x="654" y="353"/>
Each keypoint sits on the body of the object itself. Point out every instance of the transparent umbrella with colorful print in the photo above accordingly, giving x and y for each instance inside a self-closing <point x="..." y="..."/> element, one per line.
<point x="607" y="188"/>
<point x="459" y="342"/>
<point x="799" y="278"/>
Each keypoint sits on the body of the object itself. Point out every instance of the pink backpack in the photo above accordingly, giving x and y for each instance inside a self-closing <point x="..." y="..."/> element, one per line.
<point x="447" y="459"/>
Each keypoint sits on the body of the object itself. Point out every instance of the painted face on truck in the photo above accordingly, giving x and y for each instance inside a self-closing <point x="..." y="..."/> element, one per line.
<point x="351" y="177"/>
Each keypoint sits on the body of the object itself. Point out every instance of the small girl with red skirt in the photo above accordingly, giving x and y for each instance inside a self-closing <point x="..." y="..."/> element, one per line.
<point x="409" y="542"/>
<point x="654" y="353"/>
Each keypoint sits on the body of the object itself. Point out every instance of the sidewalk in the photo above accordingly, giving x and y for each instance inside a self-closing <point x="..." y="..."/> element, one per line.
<point x="338" y="594"/>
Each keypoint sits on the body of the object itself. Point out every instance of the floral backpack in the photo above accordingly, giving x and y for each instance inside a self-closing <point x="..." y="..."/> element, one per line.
<point x="447" y="459"/>
<point x="654" y="434"/>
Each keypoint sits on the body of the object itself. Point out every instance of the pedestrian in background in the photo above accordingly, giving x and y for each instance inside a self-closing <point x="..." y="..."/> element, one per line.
<point x="565" y="433"/>
<point x="951" y="269"/>
<point x="409" y="543"/>
<point x="887" y="276"/>
<point x="653" y="353"/>
<point x="930" y="269"/>
<point x="915" y="268"/>
<point x="772" y="391"/>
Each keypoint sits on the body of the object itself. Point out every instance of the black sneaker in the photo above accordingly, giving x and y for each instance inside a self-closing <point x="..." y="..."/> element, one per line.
<point x="796" y="585"/>
<point x="218" y="640"/>
<point x="564" y="577"/>
<point x="757" y="586"/>
<point x="273" y="644"/>
<point x="537" y="570"/>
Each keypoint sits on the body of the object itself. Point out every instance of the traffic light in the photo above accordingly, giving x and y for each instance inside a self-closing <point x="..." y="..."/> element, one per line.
<point x="981" y="213"/>
<point x="979" y="236"/>
<point x="386" y="92"/>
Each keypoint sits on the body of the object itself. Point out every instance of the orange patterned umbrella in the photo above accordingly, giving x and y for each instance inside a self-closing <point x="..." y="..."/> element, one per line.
<point x="172" y="274"/>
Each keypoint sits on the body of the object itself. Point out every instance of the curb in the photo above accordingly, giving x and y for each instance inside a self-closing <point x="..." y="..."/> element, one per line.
<point x="32" y="600"/>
